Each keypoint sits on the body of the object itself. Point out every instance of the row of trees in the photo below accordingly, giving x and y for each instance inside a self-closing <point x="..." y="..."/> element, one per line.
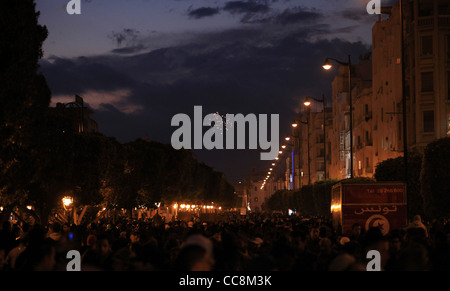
<point x="428" y="185"/>
<point x="428" y="178"/>
<point x="42" y="159"/>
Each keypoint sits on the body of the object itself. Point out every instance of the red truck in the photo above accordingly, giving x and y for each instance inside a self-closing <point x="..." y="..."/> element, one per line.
<point x="370" y="204"/>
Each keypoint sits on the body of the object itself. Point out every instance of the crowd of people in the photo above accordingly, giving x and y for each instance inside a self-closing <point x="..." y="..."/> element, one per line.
<point x="255" y="242"/>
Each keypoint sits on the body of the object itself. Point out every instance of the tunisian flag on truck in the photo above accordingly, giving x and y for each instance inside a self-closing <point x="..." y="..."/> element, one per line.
<point x="377" y="204"/>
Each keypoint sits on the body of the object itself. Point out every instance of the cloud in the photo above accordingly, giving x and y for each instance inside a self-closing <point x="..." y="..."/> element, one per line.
<point x="130" y="49"/>
<point x="293" y="15"/>
<point x="127" y="36"/>
<point x="203" y="12"/>
<point x="296" y="15"/>
<point x="240" y="7"/>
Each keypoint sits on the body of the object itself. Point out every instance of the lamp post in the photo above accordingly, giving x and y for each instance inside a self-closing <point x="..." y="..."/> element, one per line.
<point x="405" y="130"/>
<point x="291" y="142"/>
<point x="67" y="203"/>
<point x="307" y="132"/>
<point x="327" y="66"/>
<point x="307" y="103"/>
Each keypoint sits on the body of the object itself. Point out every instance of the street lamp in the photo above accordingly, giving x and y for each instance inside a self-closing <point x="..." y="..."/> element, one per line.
<point x="327" y="66"/>
<point x="67" y="201"/>
<point x="307" y="103"/>
<point x="292" y="167"/>
<point x="307" y="133"/>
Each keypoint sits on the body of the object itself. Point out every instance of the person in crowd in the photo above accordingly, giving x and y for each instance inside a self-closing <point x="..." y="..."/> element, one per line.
<point x="417" y="223"/>
<point x="196" y="254"/>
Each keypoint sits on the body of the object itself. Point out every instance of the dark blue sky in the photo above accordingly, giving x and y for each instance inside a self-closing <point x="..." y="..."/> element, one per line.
<point x="137" y="63"/>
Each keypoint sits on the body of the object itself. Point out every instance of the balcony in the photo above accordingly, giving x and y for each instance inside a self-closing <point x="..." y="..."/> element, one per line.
<point x="444" y="21"/>
<point x="425" y="21"/>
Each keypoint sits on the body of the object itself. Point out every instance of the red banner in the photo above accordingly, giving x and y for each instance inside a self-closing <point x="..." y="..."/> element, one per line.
<point x="374" y="194"/>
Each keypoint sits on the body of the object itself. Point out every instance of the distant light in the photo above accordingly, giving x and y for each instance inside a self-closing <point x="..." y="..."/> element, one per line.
<point x="294" y="124"/>
<point x="283" y="146"/>
<point x="288" y="138"/>
<point x="29" y="207"/>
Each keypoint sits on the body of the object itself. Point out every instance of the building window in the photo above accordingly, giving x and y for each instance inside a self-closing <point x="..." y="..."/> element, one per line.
<point x="427" y="81"/>
<point x="427" y="45"/>
<point x="448" y="85"/>
<point x="448" y="47"/>
<point x="428" y="121"/>
<point x="256" y="199"/>
<point x="411" y="11"/>
<point x="256" y="188"/>
<point x="425" y="8"/>
<point x="444" y="7"/>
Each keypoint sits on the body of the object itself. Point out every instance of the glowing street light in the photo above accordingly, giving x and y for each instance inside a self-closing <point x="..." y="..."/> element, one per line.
<point x="327" y="65"/>
<point x="67" y="201"/>
<point x="307" y="103"/>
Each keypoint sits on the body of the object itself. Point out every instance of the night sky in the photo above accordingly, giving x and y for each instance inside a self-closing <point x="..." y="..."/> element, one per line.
<point x="137" y="63"/>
